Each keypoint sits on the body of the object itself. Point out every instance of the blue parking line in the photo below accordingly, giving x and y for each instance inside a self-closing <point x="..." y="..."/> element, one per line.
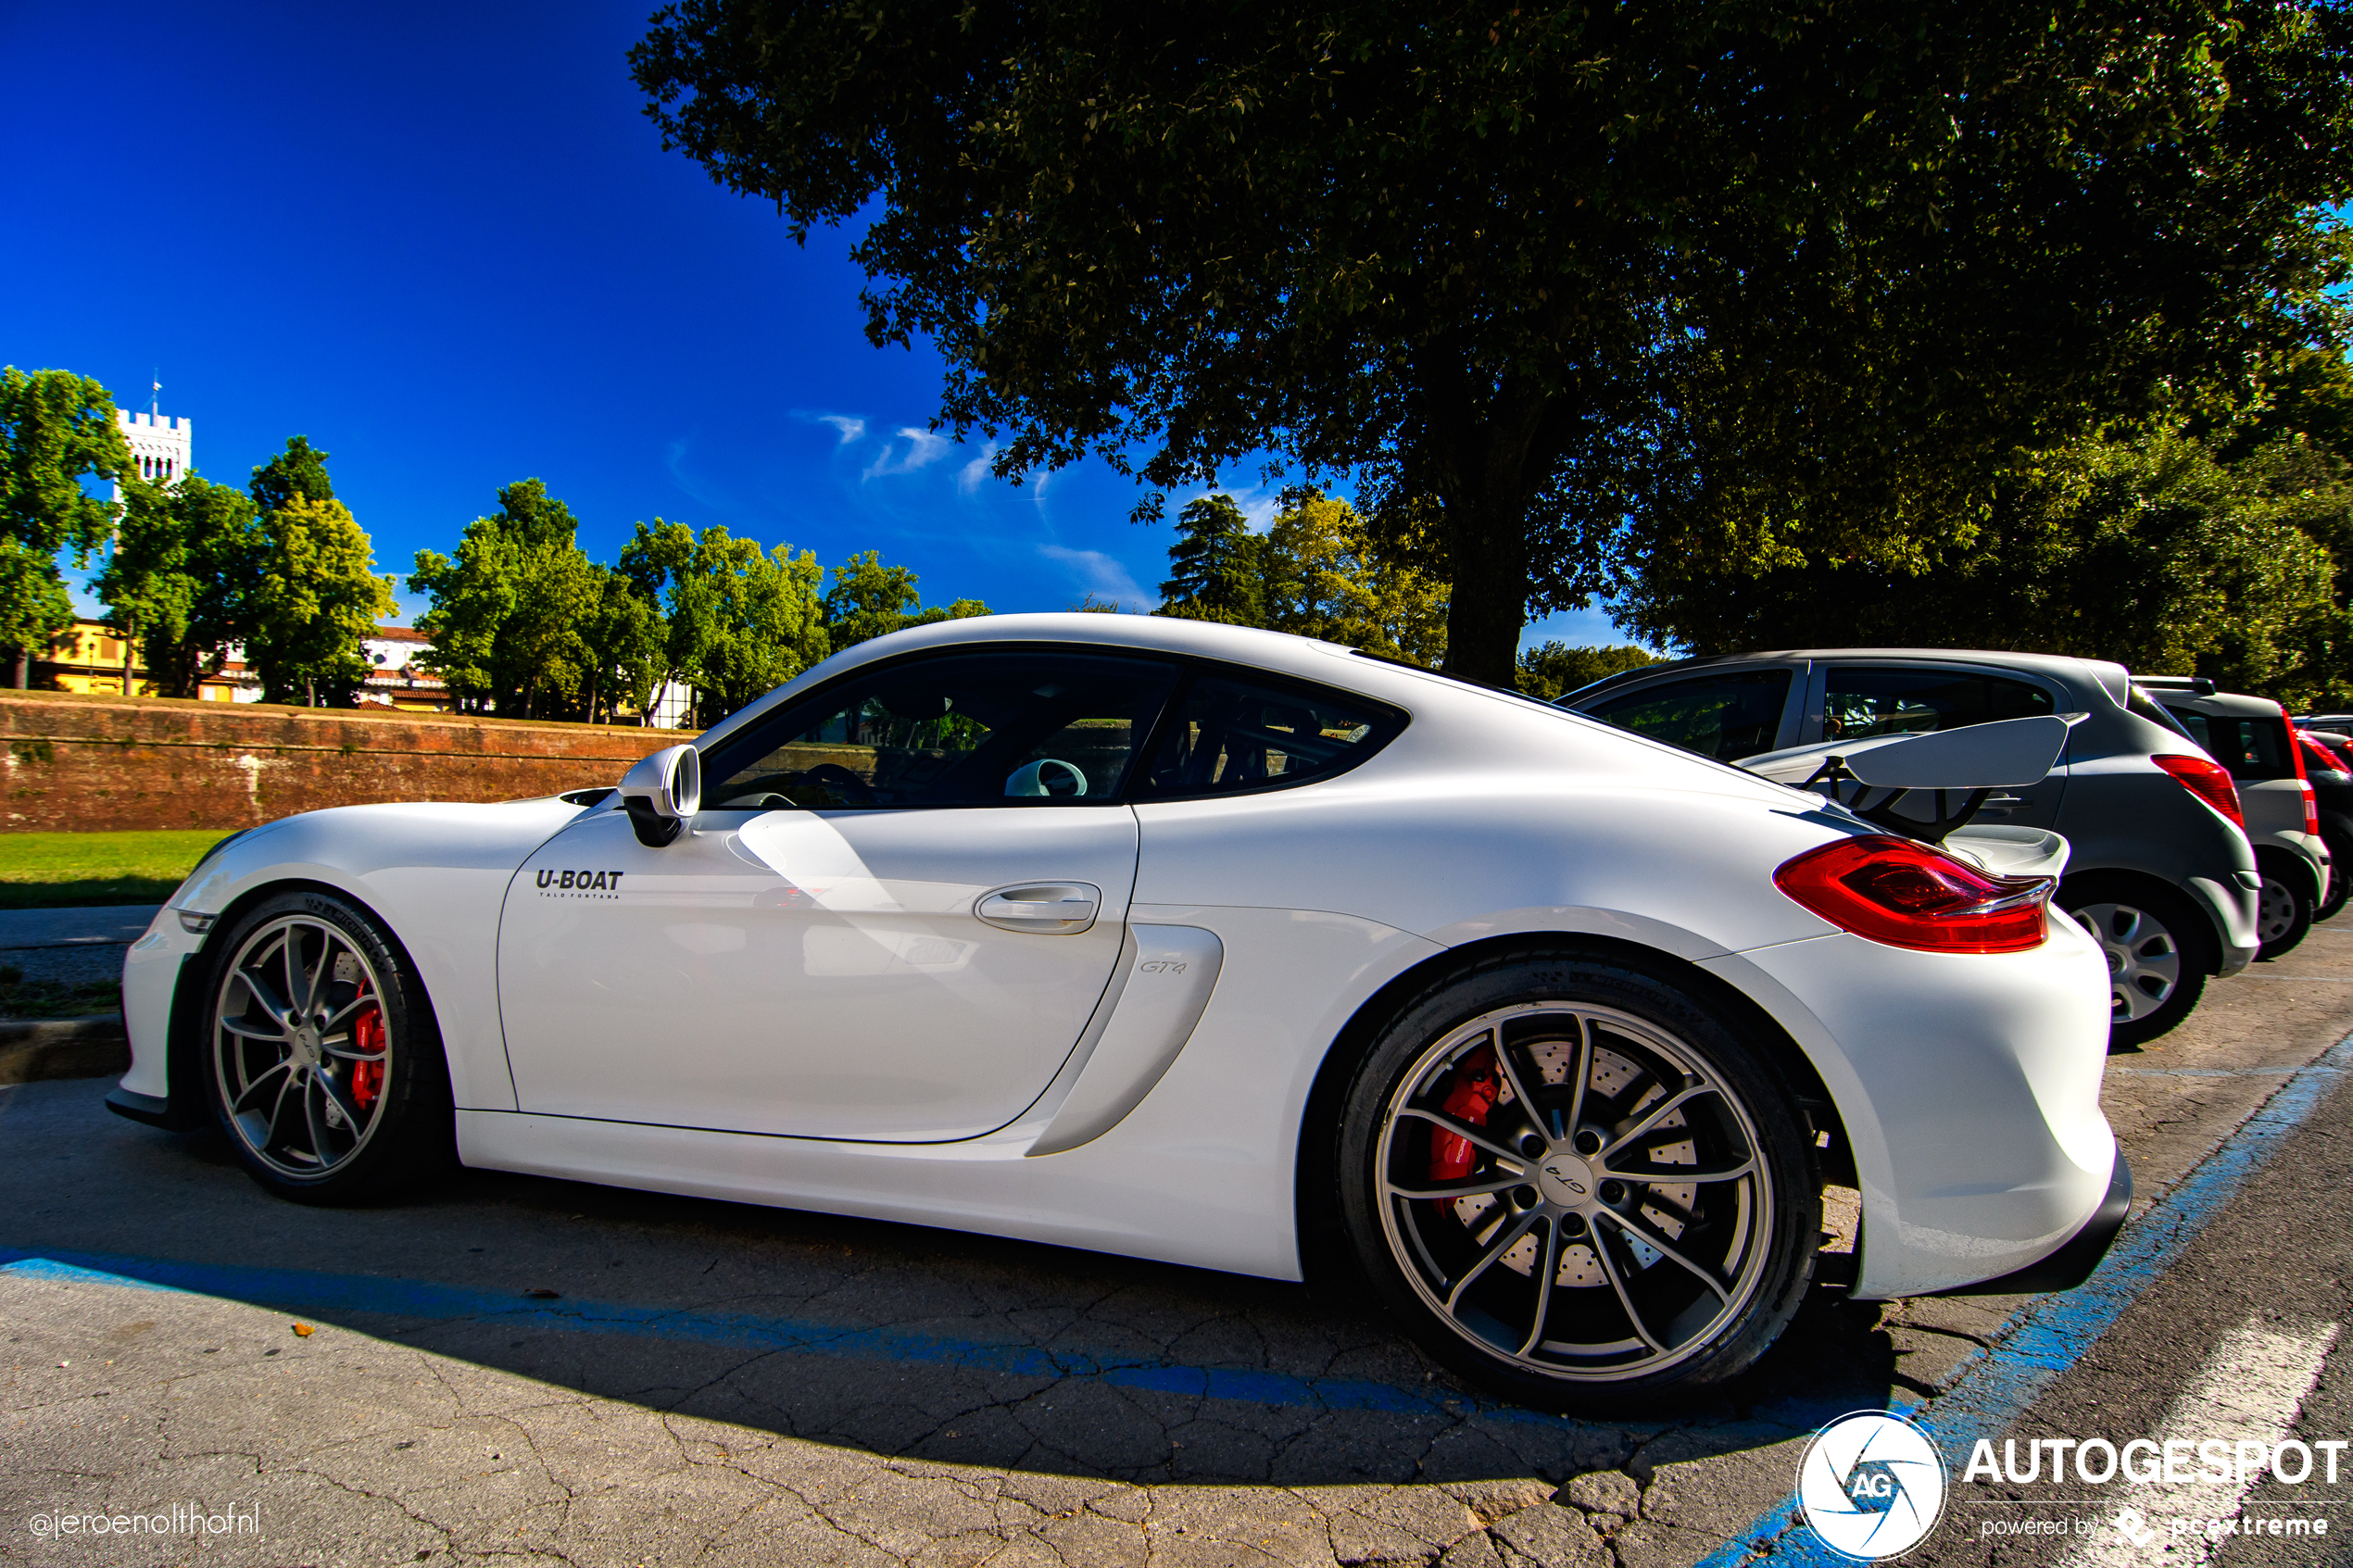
<point x="2045" y="1338"/>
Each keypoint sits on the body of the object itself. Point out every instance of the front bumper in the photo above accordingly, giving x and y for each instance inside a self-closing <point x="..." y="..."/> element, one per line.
<point x="1969" y="1089"/>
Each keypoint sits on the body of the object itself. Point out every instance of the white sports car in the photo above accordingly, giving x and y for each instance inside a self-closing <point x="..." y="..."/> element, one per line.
<point x="1192" y="943"/>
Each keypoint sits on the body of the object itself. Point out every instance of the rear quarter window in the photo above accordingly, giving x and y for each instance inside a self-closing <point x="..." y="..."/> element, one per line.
<point x="1727" y="716"/>
<point x="2250" y="748"/>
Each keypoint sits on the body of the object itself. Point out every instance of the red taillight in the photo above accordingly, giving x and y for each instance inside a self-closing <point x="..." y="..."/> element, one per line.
<point x="2303" y="779"/>
<point x="2209" y="780"/>
<point x="1910" y="895"/>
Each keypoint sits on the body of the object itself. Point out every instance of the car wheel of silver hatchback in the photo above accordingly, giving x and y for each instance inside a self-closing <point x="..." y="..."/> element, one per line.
<point x="1589" y="1189"/>
<point x="2151" y="935"/>
<point x="2144" y="958"/>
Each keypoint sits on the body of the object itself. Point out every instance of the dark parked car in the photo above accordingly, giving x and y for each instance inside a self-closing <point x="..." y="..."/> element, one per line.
<point x="2328" y="763"/>
<point x="2161" y="870"/>
<point x="2251" y="737"/>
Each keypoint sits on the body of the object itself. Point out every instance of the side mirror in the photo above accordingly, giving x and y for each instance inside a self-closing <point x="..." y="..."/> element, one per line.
<point x="661" y="791"/>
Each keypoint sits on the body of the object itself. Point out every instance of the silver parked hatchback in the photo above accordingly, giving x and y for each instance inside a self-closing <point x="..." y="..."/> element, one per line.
<point x="2161" y="872"/>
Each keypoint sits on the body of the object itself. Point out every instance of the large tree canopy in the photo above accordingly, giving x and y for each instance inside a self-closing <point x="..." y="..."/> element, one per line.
<point x="1750" y="270"/>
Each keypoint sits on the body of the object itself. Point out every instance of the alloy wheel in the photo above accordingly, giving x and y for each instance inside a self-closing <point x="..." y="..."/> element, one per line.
<point x="2144" y="958"/>
<point x="300" y="1051"/>
<point x="1575" y="1190"/>
<point x="2276" y="910"/>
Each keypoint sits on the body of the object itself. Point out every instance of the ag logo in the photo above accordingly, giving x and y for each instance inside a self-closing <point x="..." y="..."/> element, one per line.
<point x="1872" y="1486"/>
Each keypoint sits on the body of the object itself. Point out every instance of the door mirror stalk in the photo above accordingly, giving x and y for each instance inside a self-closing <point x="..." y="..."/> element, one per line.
<point x="661" y="793"/>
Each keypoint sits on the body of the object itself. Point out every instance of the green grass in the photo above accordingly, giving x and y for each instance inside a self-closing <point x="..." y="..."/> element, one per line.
<point x="47" y="871"/>
<point x="21" y="997"/>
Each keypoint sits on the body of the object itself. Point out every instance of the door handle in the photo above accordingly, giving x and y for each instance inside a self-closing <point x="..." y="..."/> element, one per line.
<point x="1041" y="909"/>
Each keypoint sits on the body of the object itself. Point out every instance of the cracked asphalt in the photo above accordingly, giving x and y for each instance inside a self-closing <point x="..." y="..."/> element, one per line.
<point x="527" y="1370"/>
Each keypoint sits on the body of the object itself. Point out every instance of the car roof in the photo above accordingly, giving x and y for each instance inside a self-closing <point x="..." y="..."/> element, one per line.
<point x="2065" y="667"/>
<point x="2220" y="705"/>
<point x="1276" y="653"/>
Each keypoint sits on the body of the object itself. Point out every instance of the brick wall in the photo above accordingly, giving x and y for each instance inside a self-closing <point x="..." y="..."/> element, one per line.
<point x="92" y="763"/>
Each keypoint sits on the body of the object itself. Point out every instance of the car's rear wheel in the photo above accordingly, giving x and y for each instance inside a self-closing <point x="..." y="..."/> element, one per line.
<point x="323" y="1063"/>
<point x="2283" y="907"/>
<point x="2156" y="945"/>
<point x="1578" y="1182"/>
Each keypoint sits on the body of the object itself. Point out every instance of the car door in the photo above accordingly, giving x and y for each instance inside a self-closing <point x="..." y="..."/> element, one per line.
<point x="1863" y="700"/>
<point x="890" y="921"/>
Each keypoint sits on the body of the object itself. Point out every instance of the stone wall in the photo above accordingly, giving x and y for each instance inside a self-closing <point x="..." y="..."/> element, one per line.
<point x="93" y="763"/>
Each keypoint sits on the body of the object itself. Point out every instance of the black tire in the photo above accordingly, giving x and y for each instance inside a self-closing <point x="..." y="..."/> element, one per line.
<point x="2284" y="911"/>
<point x="1594" y="1318"/>
<point x="358" y="1109"/>
<point x="2138" y="920"/>
<point x="2340" y="873"/>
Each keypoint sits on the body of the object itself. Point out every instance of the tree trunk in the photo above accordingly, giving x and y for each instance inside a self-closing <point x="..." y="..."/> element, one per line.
<point x="1488" y="456"/>
<point x="24" y="669"/>
<point x="311" y="687"/>
<point x="130" y="643"/>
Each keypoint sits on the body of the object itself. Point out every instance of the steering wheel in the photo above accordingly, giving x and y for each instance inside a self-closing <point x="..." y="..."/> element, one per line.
<point x="833" y="776"/>
<point x="1047" y="776"/>
<point x="765" y="800"/>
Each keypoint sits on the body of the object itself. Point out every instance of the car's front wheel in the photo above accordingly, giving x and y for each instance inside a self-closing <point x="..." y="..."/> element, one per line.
<point x="323" y="1063"/>
<point x="1579" y="1183"/>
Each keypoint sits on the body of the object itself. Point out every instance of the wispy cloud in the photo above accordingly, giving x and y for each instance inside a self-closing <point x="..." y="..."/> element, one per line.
<point x="1100" y="574"/>
<point x="1257" y="502"/>
<point x="696" y="488"/>
<point x="850" y="425"/>
<point x="923" y="449"/>
<point x="969" y="477"/>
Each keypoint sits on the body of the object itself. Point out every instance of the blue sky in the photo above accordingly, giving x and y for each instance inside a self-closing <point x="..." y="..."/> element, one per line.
<point x="443" y="242"/>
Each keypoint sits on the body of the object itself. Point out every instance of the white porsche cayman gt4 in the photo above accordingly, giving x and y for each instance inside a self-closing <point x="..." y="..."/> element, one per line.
<point x="1193" y="943"/>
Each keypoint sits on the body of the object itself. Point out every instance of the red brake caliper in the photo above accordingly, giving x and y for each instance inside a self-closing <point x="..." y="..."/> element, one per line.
<point x="1471" y="1097"/>
<point x="368" y="1035"/>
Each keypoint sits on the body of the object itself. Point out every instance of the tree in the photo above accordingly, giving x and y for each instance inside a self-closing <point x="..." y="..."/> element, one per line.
<point x="300" y="470"/>
<point x="187" y="560"/>
<point x="315" y="597"/>
<point x="1322" y="577"/>
<point x="624" y="638"/>
<point x="1215" y="570"/>
<point x="1756" y="273"/>
<point x="738" y="622"/>
<point x="2147" y="551"/>
<point x="56" y="428"/>
<point x="510" y="613"/>
<point x="34" y="606"/>
<point x="1557" y="669"/>
<point x="869" y="599"/>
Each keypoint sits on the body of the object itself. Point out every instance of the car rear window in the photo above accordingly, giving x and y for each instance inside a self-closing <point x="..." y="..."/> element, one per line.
<point x="1860" y="702"/>
<point x="2250" y="748"/>
<point x="1727" y="716"/>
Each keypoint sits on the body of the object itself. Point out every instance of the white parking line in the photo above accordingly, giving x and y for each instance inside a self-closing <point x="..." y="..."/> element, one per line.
<point x="2248" y="1391"/>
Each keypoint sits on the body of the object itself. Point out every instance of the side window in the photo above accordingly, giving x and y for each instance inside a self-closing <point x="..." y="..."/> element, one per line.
<point x="1859" y="703"/>
<point x="1728" y="716"/>
<point x="2252" y="749"/>
<point x="977" y="729"/>
<point x="1230" y="735"/>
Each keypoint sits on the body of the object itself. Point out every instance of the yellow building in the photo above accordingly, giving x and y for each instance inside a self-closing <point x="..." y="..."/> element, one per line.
<point x="88" y="659"/>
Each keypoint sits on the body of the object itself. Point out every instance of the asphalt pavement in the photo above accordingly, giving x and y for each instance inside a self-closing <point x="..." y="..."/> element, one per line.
<point x="535" y="1370"/>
